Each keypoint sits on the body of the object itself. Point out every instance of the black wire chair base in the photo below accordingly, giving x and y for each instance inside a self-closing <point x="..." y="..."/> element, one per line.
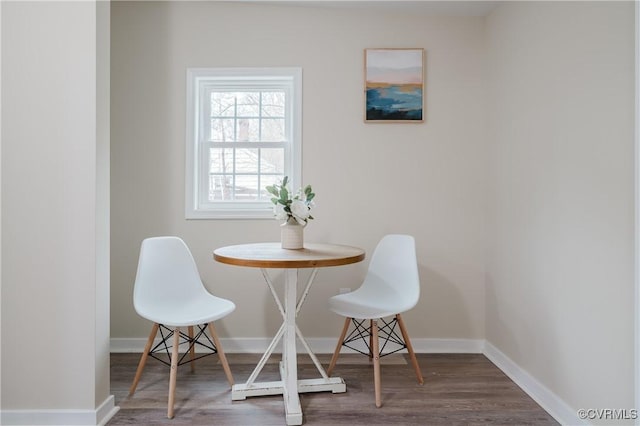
<point x="164" y="348"/>
<point x="392" y="341"/>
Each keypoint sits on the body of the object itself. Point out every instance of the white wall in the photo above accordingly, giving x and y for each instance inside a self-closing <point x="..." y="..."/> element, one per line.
<point x="103" y="200"/>
<point x="0" y="203"/>
<point x="560" y="285"/>
<point x="55" y="205"/>
<point x="370" y="179"/>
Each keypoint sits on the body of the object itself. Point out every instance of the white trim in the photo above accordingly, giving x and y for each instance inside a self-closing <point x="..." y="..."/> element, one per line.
<point x="548" y="400"/>
<point x="99" y="417"/>
<point x="106" y="411"/>
<point x="256" y="345"/>
<point x="288" y="79"/>
<point x="448" y="346"/>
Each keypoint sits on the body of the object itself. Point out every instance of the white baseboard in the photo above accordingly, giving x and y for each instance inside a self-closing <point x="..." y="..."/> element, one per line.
<point x="548" y="400"/>
<point x="106" y="411"/>
<point x="69" y="417"/>
<point x="318" y="345"/>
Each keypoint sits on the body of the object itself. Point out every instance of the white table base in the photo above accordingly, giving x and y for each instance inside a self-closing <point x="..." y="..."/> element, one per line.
<point x="289" y="386"/>
<point x="293" y="411"/>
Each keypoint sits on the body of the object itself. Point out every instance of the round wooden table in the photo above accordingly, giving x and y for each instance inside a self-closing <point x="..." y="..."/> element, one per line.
<point x="271" y="255"/>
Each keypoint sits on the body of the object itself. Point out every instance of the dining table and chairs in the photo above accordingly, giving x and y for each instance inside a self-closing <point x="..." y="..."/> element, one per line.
<point x="167" y="270"/>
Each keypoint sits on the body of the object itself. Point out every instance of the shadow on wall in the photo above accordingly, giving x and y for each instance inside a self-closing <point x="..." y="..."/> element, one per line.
<point x="142" y="150"/>
<point x="442" y="312"/>
<point x="511" y="331"/>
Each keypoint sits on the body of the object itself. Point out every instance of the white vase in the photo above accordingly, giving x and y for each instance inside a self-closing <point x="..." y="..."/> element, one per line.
<point x="292" y="235"/>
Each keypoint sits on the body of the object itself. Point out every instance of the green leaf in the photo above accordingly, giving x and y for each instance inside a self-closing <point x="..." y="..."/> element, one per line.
<point x="284" y="194"/>
<point x="274" y="200"/>
<point x="285" y="181"/>
<point x="310" y="196"/>
<point x="272" y="190"/>
<point x="307" y="190"/>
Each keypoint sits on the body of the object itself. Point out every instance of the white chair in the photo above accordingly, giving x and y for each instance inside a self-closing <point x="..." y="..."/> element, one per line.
<point x="391" y="287"/>
<point x="168" y="291"/>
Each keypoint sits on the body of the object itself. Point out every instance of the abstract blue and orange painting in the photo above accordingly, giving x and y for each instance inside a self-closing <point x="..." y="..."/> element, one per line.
<point x="394" y="84"/>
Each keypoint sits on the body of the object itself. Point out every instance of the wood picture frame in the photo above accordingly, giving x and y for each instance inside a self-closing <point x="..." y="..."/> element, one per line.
<point x="394" y="85"/>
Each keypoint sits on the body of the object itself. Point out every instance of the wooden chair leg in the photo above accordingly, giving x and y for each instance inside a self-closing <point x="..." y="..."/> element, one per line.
<point x="221" y="355"/>
<point x="370" y="340"/>
<point x="174" y="371"/>
<point x="376" y="363"/>
<point x="143" y="358"/>
<point x="336" y="352"/>
<point x="412" y="354"/>
<point x="192" y="349"/>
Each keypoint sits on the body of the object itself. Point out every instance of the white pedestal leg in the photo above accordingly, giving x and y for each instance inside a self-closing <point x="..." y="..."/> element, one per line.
<point x="290" y="379"/>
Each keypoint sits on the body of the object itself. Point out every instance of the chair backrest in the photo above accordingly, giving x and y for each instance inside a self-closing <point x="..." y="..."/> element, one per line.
<point x="394" y="266"/>
<point x="167" y="275"/>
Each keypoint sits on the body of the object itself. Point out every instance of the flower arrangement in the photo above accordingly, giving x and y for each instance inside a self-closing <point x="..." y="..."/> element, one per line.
<point x="287" y="207"/>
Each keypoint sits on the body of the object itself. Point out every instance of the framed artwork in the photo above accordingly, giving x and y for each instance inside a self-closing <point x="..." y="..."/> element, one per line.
<point x="394" y="85"/>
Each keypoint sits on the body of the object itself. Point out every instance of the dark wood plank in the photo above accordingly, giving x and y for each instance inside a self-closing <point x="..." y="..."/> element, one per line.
<point x="459" y="389"/>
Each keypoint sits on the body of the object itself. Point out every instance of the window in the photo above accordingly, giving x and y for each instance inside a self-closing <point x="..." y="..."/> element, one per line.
<point x="243" y="133"/>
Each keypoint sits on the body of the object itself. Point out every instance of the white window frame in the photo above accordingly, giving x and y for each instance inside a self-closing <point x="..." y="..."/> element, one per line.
<point x="198" y="79"/>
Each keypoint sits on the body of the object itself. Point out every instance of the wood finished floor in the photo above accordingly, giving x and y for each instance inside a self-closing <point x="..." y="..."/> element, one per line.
<point x="459" y="389"/>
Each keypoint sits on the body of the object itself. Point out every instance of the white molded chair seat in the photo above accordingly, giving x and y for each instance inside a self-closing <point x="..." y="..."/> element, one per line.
<point x="201" y="308"/>
<point x="375" y="298"/>
<point x="168" y="291"/>
<point x="391" y="287"/>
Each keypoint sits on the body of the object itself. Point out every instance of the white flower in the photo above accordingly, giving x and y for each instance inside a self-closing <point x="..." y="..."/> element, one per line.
<point x="300" y="211"/>
<point x="278" y="211"/>
<point x="286" y="206"/>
